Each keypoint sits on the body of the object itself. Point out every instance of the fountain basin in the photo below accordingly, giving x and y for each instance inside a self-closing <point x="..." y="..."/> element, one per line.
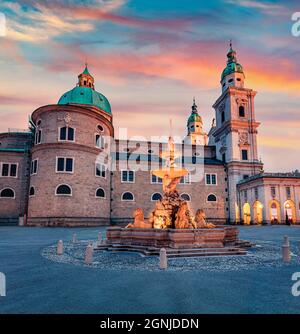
<point x="218" y="237"/>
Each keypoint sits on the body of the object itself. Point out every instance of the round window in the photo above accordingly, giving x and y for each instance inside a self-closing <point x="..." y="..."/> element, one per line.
<point x="100" y="128"/>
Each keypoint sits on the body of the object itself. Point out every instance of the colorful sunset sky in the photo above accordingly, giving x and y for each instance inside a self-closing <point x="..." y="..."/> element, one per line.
<point x="150" y="57"/>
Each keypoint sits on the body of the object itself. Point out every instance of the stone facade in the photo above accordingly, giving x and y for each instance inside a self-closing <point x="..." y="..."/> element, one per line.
<point x="270" y="198"/>
<point x="69" y="170"/>
<point x="14" y="150"/>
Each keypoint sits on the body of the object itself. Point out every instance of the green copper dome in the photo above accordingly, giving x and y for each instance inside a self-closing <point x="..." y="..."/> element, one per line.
<point x="231" y="68"/>
<point x="85" y="95"/>
<point x="232" y="65"/>
<point x="194" y="117"/>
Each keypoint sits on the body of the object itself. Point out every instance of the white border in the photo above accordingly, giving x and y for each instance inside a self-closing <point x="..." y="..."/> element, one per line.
<point x="211" y="183"/>
<point x="29" y="191"/>
<point x="9" y="168"/>
<point x="125" y="170"/>
<point x="106" y="170"/>
<point x="37" y="166"/>
<point x="155" y="200"/>
<point x="67" y="132"/>
<point x="207" y="201"/>
<point x="185" y="199"/>
<point x="65" y="165"/>
<point x="100" y="196"/>
<point x="7" y="197"/>
<point x="127" y="200"/>
<point x="64" y="184"/>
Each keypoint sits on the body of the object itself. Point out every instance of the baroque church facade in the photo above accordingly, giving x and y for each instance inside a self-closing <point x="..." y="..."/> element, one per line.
<point x="68" y="169"/>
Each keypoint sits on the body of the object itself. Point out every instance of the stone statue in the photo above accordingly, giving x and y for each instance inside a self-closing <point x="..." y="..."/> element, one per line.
<point x="183" y="218"/>
<point x="200" y="220"/>
<point x="139" y="220"/>
<point x="169" y="184"/>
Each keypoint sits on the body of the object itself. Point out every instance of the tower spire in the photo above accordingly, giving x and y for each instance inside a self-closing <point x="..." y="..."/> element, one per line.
<point x="194" y="106"/>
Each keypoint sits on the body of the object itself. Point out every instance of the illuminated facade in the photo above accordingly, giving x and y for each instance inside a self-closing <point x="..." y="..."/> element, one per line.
<point x="56" y="173"/>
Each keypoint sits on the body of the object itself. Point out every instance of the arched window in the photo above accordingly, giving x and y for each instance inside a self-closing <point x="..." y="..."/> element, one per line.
<point x="211" y="198"/>
<point x="127" y="196"/>
<point x="100" y="193"/>
<point x="66" y="133"/>
<point x="64" y="189"/>
<point x="7" y="193"/>
<point x="156" y="197"/>
<point x="185" y="197"/>
<point x="31" y="191"/>
<point x="241" y="111"/>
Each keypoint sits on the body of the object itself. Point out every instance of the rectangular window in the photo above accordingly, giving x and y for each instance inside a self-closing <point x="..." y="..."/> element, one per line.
<point x="288" y="192"/>
<point x="69" y="165"/>
<point x="273" y="192"/>
<point x="70" y="134"/>
<point x="100" y="170"/>
<point x="38" y="136"/>
<point x="244" y="154"/>
<point x="63" y="133"/>
<point x="66" y="133"/>
<point x="186" y="179"/>
<point x="222" y="117"/>
<point x="99" y="141"/>
<point x="155" y="179"/>
<point x="210" y="179"/>
<point x="5" y="169"/>
<point x="64" y="165"/>
<point x="245" y="195"/>
<point x="9" y="170"/>
<point x="256" y="193"/>
<point x="34" y="166"/>
<point x="224" y="157"/>
<point x="128" y="176"/>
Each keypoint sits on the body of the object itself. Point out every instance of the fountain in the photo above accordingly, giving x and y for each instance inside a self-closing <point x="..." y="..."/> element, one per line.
<point x="171" y="224"/>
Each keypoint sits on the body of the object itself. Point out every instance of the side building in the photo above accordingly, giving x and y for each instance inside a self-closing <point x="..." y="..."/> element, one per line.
<point x="15" y="157"/>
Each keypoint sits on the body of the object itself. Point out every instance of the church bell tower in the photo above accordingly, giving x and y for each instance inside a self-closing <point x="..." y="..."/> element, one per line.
<point x="235" y="130"/>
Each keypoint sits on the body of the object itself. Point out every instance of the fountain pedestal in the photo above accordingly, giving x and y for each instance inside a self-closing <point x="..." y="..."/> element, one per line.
<point x="222" y="240"/>
<point x="172" y="238"/>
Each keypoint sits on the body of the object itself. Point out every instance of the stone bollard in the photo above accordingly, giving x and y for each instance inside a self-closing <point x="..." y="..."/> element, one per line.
<point x="286" y="254"/>
<point x="74" y="238"/>
<point x="89" y="254"/>
<point x="163" y="260"/>
<point x="60" y="247"/>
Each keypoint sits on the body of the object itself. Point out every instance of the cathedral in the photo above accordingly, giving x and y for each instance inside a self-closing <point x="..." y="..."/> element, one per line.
<point x="68" y="169"/>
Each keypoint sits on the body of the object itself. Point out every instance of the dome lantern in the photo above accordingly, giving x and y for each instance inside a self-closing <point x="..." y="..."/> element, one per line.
<point x="85" y="79"/>
<point x="84" y="93"/>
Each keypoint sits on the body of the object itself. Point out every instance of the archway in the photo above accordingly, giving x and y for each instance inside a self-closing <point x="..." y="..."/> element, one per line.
<point x="274" y="212"/>
<point x="258" y="212"/>
<point x="290" y="211"/>
<point x="246" y="214"/>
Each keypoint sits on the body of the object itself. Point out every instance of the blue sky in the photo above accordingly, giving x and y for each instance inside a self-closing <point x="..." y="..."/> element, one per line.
<point x="151" y="57"/>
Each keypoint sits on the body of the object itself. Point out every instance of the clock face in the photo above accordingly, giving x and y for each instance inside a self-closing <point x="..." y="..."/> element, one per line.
<point x="243" y="137"/>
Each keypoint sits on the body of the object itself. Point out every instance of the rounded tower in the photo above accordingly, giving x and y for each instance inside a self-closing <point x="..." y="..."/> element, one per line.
<point x="69" y="175"/>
